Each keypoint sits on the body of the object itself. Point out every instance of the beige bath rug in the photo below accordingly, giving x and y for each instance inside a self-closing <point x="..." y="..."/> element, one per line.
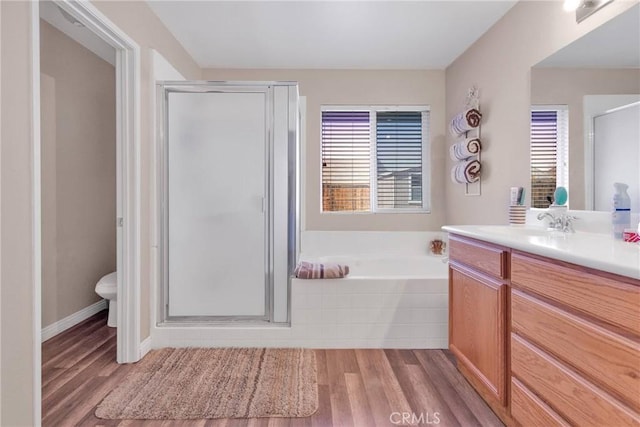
<point x="199" y="383"/>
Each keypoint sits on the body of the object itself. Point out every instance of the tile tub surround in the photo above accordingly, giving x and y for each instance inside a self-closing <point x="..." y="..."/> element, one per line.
<point x="365" y="313"/>
<point x="338" y="313"/>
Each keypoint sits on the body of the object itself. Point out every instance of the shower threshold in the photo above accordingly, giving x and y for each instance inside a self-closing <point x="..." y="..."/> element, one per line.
<point x="219" y="321"/>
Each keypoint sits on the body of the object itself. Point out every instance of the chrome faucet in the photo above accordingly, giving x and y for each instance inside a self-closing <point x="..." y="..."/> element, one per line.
<point x="561" y="222"/>
<point x="566" y="221"/>
<point x="553" y="221"/>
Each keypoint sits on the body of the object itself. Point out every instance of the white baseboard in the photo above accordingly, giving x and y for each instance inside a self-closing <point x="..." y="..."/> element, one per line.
<point x="72" y="320"/>
<point x="145" y="347"/>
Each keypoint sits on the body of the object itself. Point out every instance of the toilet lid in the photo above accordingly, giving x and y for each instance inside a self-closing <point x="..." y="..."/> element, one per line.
<point x="108" y="282"/>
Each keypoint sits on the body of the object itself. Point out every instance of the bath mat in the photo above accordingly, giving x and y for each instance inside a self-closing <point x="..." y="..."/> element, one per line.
<point x="201" y="383"/>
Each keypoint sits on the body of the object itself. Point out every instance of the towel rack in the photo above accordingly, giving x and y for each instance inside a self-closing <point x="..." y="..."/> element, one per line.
<point x="473" y="101"/>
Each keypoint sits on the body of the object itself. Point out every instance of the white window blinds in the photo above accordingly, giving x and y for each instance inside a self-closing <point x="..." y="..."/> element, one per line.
<point x="399" y="159"/>
<point x="346" y="160"/>
<point x="549" y="153"/>
<point x="373" y="160"/>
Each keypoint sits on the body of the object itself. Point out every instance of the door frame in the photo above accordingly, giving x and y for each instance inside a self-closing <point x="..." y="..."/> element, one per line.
<point x="128" y="181"/>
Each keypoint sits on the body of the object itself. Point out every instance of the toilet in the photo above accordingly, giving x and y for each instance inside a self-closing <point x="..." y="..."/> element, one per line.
<point x="107" y="288"/>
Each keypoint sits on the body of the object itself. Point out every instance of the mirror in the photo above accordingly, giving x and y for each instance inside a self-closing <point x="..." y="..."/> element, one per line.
<point x="593" y="86"/>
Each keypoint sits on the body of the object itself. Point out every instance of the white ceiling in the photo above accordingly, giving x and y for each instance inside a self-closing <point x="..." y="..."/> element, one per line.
<point x="370" y="34"/>
<point x="615" y="44"/>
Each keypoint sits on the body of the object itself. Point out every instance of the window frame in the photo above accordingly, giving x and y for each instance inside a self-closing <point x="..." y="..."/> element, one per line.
<point x="425" y="111"/>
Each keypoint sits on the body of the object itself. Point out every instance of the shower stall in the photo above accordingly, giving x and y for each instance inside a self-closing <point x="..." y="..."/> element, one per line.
<point x="229" y="192"/>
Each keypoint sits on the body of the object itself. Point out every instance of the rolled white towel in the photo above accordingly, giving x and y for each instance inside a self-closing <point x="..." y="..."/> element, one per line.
<point x="465" y="121"/>
<point x="466" y="172"/>
<point x="465" y="149"/>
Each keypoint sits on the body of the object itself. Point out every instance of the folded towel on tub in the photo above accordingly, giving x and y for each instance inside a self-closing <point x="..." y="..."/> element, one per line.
<point x="465" y="149"/>
<point x="315" y="270"/>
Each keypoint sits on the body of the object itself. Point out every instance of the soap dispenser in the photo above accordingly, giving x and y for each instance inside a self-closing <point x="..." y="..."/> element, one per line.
<point x="621" y="215"/>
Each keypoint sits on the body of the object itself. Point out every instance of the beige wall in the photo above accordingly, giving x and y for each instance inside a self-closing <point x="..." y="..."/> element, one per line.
<point x="335" y="87"/>
<point x="78" y="173"/>
<point x="139" y="22"/>
<point x="568" y="87"/>
<point x="499" y="63"/>
<point x="16" y="234"/>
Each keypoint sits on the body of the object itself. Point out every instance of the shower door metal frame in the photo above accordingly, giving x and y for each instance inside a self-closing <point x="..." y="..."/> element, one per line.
<point x="164" y="89"/>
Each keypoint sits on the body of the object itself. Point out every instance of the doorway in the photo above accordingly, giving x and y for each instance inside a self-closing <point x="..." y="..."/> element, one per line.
<point x="78" y="172"/>
<point x="127" y="82"/>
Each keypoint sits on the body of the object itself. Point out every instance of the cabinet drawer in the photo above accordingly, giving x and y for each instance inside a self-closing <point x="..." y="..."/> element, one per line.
<point x="528" y="410"/>
<point x="610" y="360"/>
<point x="483" y="256"/>
<point x="607" y="299"/>
<point x="567" y="393"/>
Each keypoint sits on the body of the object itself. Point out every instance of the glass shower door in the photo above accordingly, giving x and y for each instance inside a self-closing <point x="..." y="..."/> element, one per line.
<point x="215" y="214"/>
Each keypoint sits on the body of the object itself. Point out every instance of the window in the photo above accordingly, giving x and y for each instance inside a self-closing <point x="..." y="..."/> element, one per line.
<point x="374" y="159"/>
<point x="549" y="152"/>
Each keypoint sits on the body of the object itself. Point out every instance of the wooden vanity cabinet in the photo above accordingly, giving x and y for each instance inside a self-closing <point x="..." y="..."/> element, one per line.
<point x="478" y="316"/>
<point x="575" y="344"/>
<point x="544" y="342"/>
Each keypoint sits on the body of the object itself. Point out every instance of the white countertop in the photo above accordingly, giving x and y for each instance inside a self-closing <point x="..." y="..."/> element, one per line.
<point x="594" y="250"/>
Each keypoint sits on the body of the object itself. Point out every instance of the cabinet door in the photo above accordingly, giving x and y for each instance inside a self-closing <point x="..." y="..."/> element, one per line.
<point x="477" y="321"/>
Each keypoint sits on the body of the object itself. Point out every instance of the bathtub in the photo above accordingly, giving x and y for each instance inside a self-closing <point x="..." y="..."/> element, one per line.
<point x="386" y="301"/>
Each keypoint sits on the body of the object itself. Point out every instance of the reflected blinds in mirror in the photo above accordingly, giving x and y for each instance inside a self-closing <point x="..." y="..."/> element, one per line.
<point x="549" y="165"/>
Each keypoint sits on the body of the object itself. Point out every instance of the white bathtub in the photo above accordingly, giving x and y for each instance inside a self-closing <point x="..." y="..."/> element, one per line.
<point x="386" y="301"/>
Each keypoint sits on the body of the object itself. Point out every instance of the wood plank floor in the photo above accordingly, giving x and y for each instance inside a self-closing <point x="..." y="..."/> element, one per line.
<point x="358" y="388"/>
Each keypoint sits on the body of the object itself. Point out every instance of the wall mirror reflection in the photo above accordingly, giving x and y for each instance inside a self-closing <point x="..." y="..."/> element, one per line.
<point x="585" y="117"/>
